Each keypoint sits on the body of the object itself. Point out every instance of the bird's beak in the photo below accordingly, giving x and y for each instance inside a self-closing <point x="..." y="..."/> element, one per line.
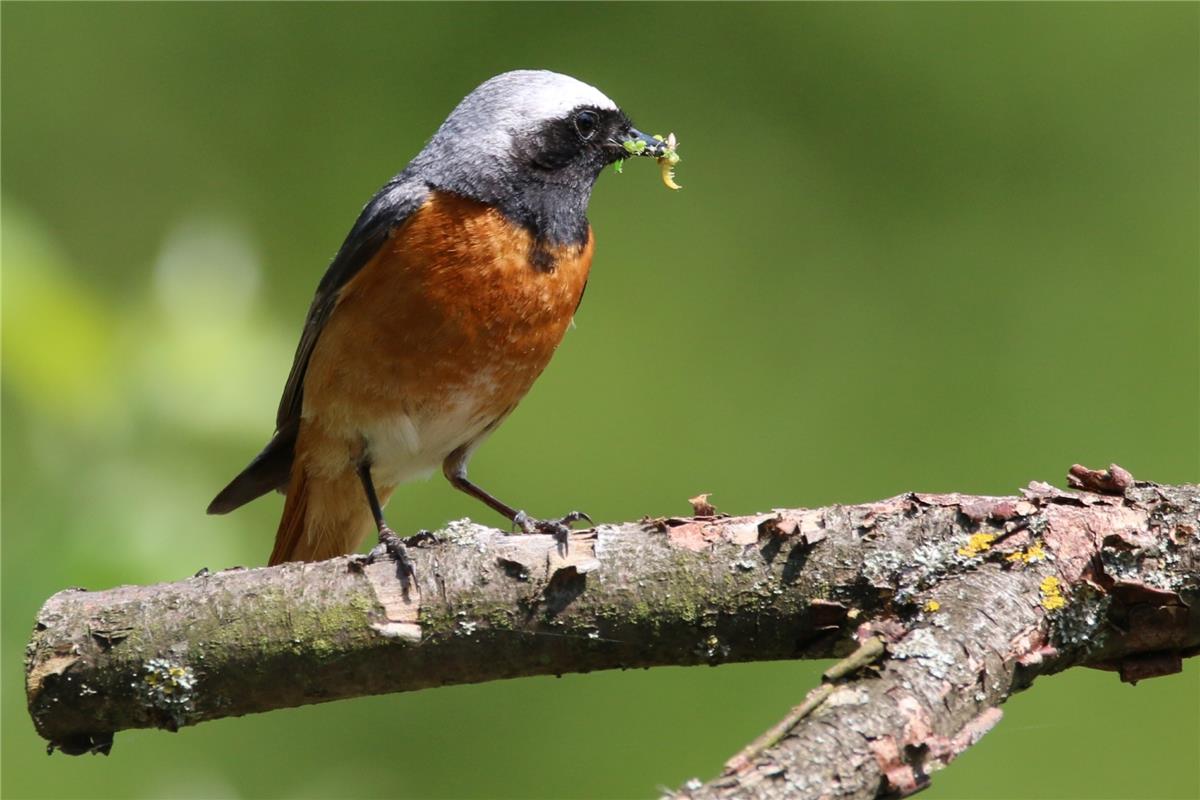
<point x="636" y="143"/>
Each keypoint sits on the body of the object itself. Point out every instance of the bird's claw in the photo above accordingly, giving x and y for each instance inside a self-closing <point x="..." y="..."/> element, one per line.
<point x="560" y="528"/>
<point x="393" y="545"/>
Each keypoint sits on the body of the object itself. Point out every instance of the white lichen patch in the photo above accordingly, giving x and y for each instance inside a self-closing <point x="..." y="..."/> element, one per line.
<point x="405" y="631"/>
<point x="847" y="696"/>
<point x="927" y="564"/>
<point x="464" y="533"/>
<point x="881" y="566"/>
<point x="169" y="687"/>
<point x="1081" y="623"/>
<point x="1142" y="565"/>
<point x="932" y="557"/>
<point x="922" y="644"/>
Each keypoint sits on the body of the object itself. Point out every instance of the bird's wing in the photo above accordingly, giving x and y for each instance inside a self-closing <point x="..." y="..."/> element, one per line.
<point x="386" y="211"/>
<point x="271" y="469"/>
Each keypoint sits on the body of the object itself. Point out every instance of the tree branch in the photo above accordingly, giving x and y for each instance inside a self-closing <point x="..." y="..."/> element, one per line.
<point x="946" y="604"/>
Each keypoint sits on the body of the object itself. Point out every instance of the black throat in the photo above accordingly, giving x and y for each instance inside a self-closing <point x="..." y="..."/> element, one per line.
<point x="553" y="212"/>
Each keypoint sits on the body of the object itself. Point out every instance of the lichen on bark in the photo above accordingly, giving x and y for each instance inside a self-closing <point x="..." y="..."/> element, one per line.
<point x="972" y="598"/>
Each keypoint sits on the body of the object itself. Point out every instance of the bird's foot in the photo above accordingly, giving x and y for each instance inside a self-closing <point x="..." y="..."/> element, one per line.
<point x="393" y="545"/>
<point x="560" y="528"/>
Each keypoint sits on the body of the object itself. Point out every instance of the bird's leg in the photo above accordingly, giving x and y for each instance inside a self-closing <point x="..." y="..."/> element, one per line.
<point x="389" y="542"/>
<point x="455" y="470"/>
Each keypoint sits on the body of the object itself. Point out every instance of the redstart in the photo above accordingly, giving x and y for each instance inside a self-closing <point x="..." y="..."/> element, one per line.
<point x="443" y="305"/>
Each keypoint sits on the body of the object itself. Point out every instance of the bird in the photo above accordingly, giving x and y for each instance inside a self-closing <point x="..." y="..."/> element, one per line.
<point x="445" y="302"/>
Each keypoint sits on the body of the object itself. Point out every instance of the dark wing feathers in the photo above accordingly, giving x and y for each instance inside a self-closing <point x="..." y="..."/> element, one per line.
<point x="271" y="468"/>
<point x="390" y="206"/>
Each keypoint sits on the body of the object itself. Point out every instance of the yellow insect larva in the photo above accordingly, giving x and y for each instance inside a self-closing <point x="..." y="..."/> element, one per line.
<point x="667" y="162"/>
<point x="668" y="174"/>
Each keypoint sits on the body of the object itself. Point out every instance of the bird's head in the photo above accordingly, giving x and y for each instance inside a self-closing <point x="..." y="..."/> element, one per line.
<point x="530" y="138"/>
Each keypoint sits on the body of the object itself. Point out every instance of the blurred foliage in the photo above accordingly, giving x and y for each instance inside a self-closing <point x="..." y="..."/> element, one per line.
<point x="938" y="247"/>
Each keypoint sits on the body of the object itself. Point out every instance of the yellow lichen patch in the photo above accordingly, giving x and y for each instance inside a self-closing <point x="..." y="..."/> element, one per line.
<point x="932" y="606"/>
<point x="175" y="676"/>
<point x="978" y="543"/>
<point x="1052" y="596"/>
<point x="1033" y="554"/>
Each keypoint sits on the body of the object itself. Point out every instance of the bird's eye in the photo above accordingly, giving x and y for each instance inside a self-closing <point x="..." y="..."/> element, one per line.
<point x="585" y="123"/>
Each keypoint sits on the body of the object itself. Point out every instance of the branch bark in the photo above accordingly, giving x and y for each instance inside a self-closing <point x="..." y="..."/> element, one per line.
<point x="947" y="604"/>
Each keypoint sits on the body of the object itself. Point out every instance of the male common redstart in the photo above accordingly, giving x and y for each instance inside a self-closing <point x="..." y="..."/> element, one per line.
<point x="443" y="305"/>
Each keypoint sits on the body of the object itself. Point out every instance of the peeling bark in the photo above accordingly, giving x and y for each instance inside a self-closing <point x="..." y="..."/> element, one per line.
<point x="947" y="604"/>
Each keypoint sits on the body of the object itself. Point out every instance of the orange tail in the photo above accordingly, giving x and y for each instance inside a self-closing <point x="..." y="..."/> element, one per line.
<point x="323" y="517"/>
<point x="290" y="537"/>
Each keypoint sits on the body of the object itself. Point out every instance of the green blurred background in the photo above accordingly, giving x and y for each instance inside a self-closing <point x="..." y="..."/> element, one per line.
<point x="936" y="247"/>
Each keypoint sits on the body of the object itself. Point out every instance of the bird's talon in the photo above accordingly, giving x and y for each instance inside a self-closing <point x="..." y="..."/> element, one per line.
<point x="393" y="545"/>
<point x="560" y="528"/>
<point x="576" y="516"/>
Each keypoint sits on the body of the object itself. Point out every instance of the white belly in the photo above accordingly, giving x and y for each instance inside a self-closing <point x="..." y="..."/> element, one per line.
<point x="413" y="444"/>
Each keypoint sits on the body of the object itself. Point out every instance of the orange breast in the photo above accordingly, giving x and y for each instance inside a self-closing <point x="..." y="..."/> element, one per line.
<point x="448" y="325"/>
